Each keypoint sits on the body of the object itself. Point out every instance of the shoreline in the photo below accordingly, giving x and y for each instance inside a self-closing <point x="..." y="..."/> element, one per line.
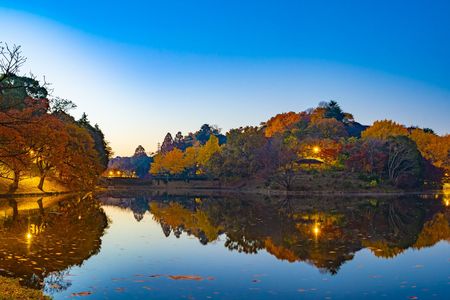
<point x="43" y="194"/>
<point x="266" y="192"/>
<point x="223" y="191"/>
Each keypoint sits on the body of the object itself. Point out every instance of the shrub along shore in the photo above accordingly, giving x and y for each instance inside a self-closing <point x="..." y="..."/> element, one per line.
<point x="10" y="289"/>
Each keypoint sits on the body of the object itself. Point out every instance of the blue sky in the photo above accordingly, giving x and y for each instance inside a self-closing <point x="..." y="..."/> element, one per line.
<point x="142" y="68"/>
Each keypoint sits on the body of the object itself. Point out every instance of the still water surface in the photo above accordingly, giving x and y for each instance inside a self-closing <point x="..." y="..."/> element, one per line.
<point x="166" y="247"/>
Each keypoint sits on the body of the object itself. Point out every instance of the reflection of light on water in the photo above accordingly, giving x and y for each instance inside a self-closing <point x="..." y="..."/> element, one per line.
<point x="29" y="238"/>
<point x="446" y="193"/>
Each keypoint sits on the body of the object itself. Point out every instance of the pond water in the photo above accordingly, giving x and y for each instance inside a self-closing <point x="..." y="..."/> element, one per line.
<point x="152" y="246"/>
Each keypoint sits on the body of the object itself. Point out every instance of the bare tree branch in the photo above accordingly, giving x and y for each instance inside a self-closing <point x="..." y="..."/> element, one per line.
<point x="11" y="60"/>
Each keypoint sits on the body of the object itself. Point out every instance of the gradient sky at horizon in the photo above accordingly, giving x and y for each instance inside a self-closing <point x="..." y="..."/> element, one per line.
<point x="140" y="70"/>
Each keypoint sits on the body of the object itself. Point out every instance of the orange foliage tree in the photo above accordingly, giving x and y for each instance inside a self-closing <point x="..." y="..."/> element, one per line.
<point x="280" y="123"/>
<point x="47" y="144"/>
<point x="434" y="148"/>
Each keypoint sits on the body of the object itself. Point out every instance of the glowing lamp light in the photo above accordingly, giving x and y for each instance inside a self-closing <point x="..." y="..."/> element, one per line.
<point x="29" y="236"/>
<point x="316" y="149"/>
<point x="111" y="173"/>
<point x="316" y="230"/>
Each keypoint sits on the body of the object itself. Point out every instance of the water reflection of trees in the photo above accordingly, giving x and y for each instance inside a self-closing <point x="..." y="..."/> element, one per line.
<point x="42" y="241"/>
<point x="321" y="231"/>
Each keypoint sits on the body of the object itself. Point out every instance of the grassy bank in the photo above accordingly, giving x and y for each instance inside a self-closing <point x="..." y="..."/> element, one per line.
<point x="28" y="185"/>
<point x="10" y="289"/>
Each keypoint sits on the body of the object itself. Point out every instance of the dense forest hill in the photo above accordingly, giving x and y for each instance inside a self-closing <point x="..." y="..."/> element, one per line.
<point x="311" y="149"/>
<point x="39" y="138"/>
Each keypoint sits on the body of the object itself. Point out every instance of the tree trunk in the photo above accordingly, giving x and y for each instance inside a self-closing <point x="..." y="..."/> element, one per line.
<point x="15" y="184"/>
<point x="41" y="182"/>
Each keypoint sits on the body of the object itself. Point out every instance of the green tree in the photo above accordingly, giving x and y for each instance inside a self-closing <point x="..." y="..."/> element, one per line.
<point x="333" y="110"/>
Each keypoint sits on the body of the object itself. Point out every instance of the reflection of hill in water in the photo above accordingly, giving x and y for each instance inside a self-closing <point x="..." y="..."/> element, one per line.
<point x="325" y="232"/>
<point x="138" y="205"/>
<point x="48" y="237"/>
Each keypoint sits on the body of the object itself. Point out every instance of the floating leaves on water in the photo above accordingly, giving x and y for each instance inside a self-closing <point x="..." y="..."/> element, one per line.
<point x="118" y="279"/>
<point x="81" y="294"/>
<point x="185" y="277"/>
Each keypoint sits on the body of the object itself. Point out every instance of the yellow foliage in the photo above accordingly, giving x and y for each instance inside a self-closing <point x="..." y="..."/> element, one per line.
<point x="172" y="162"/>
<point x="384" y="129"/>
<point x="205" y="152"/>
<point x="175" y="215"/>
<point x="433" y="231"/>
<point x="279" y="251"/>
<point x="176" y="161"/>
<point x="191" y="156"/>
<point x="432" y="147"/>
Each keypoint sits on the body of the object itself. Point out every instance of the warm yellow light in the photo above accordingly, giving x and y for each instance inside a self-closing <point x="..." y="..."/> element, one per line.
<point x="29" y="236"/>
<point x="316" y="229"/>
<point x="111" y="173"/>
<point x="447" y="202"/>
<point x="316" y="149"/>
<point x="118" y="172"/>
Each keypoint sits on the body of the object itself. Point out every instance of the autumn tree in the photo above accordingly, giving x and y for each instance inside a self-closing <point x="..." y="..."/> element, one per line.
<point x="81" y="165"/>
<point x="239" y="157"/>
<point x="280" y="162"/>
<point x="208" y="150"/>
<point x="327" y="129"/>
<point x="434" y="148"/>
<point x="280" y="123"/>
<point x="38" y="134"/>
<point x="384" y="130"/>
<point x="15" y="124"/>
<point x="367" y="156"/>
<point x="171" y="163"/>
<point x="47" y="143"/>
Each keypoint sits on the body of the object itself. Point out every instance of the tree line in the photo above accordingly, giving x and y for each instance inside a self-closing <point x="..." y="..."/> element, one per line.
<point x="38" y="136"/>
<point x="324" y="138"/>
